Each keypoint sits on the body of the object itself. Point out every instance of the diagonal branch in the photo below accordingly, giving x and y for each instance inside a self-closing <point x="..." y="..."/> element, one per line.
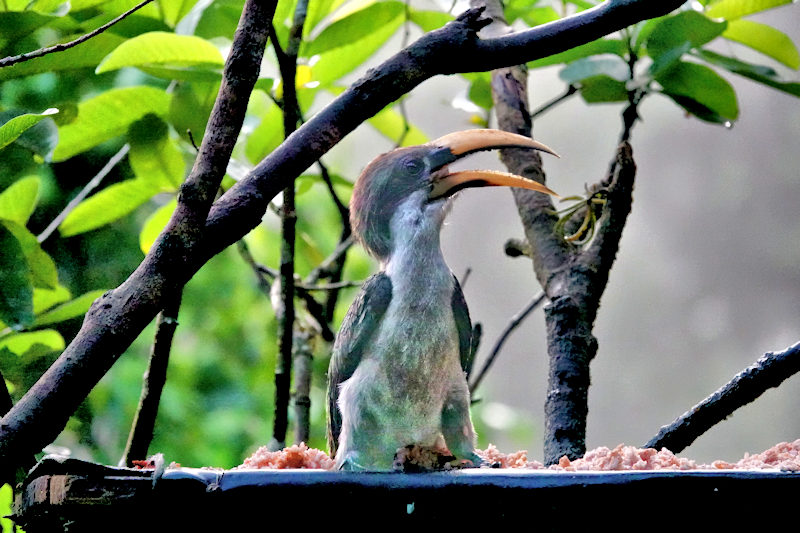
<point x="120" y="315"/>
<point x="769" y="371"/>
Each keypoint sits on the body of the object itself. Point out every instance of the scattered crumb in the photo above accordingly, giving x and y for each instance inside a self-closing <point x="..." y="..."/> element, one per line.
<point x="626" y="458"/>
<point x="783" y="456"/>
<point x="492" y="456"/>
<point x="297" y="456"/>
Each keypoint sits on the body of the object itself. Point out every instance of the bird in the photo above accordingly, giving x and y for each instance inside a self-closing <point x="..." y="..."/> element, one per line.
<point x="397" y="373"/>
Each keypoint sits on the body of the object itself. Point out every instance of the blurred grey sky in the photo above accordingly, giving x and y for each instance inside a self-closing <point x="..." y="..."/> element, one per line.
<point x="707" y="277"/>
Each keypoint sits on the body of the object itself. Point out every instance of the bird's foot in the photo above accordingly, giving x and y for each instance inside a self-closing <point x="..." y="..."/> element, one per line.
<point x="349" y="464"/>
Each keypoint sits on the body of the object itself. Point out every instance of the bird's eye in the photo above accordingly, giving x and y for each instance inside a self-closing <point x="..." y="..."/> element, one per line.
<point x="414" y="166"/>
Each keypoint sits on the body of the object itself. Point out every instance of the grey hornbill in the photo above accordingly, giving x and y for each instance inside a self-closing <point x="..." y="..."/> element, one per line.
<point x="397" y="374"/>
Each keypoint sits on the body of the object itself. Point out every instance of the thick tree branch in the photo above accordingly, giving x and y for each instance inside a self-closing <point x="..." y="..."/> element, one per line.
<point x="769" y="371"/>
<point x="120" y="315"/>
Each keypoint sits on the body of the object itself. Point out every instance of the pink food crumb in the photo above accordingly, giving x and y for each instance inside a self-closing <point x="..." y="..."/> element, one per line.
<point x="783" y="456"/>
<point x="297" y="456"/>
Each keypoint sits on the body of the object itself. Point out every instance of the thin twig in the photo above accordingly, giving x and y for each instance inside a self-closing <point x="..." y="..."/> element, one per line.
<point x="323" y="269"/>
<point x="333" y="286"/>
<point x="515" y="321"/>
<point x="259" y="269"/>
<point x="89" y="187"/>
<point x="8" y="61"/>
<point x="144" y="422"/>
<point x="334" y="269"/>
<point x="547" y="106"/>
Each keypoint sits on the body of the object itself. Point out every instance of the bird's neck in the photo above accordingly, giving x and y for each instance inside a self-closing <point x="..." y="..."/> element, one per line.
<point x="418" y="263"/>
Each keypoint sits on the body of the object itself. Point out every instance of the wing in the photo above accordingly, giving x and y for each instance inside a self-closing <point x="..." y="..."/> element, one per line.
<point x="359" y="324"/>
<point x="464" y="327"/>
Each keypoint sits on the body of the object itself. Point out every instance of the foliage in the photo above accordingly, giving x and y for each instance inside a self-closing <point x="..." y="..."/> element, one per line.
<point x="146" y="86"/>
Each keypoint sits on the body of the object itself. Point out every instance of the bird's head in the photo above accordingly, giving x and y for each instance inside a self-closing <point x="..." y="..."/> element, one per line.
<point x="408" y="189"/>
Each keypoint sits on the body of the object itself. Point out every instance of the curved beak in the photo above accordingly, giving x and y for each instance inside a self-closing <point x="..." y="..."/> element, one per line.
<point x="456" y="145"/>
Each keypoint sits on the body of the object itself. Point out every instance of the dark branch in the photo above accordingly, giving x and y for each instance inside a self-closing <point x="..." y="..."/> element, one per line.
<point x="8" y="61"/>
<point x="155" y="377"/>
<point x="769" y="371"/>
<point x="287" y="62"/>
<point x="573" y="278"/>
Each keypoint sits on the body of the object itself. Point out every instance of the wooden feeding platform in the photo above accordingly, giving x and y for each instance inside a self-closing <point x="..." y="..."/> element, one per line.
<point x="72" y="495"/>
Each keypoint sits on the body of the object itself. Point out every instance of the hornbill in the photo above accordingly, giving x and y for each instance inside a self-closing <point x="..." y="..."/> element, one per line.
<point x="397" y="376"/>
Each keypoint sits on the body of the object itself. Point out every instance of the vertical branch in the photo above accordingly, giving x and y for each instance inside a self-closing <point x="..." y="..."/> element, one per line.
<point x="303" y="364"/>
<point x="335" y="269"/>
<point x="141" y="434"/>
<point x="572" y="277"/>
<point x="287" y="61"/>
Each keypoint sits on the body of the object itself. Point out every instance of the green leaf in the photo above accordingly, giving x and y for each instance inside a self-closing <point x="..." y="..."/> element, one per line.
<point x="18" y="24"/>
<point x="19" y="343"/>
<point x="612" y="66"/>
<point x="42" y="268"/>
<point x="356" y="26"/>
<point x="108" y="115"/>
<point x="317" y="11"/>
<point x="689" y="84"/>
<point x="191" y="106"/>
<point x="155" y="224"/>
<point x="390" y="124"/>
<point x="765" y="39"/>
<point x="18" y="201"/>
<point x="339" y="61"/>
<point x="175" y="10"/>
<point x="16" y="292"/>
<point x="603" y="89"/>
<point x="734" y="9"/>
<point x="686" y="27"/>
<point x="537" y="16"/>
<point x="108" y="205"/>
<point x="269" y="133"/>
<point x="85" y="55"/>
<point x="480" y="88"/>
<point x="44" y="299"/>
<point x="154" y="156"/>
<point x="11" y="130"/>
<point x="160" y="163"/>
<point x="220" y="18"/>
<point x="429" y="20"/>
<point x="166" y="55"/>
<point x="600" y="46"/>
<point x="758" y="73"/>
<point x="72" y="309"/>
